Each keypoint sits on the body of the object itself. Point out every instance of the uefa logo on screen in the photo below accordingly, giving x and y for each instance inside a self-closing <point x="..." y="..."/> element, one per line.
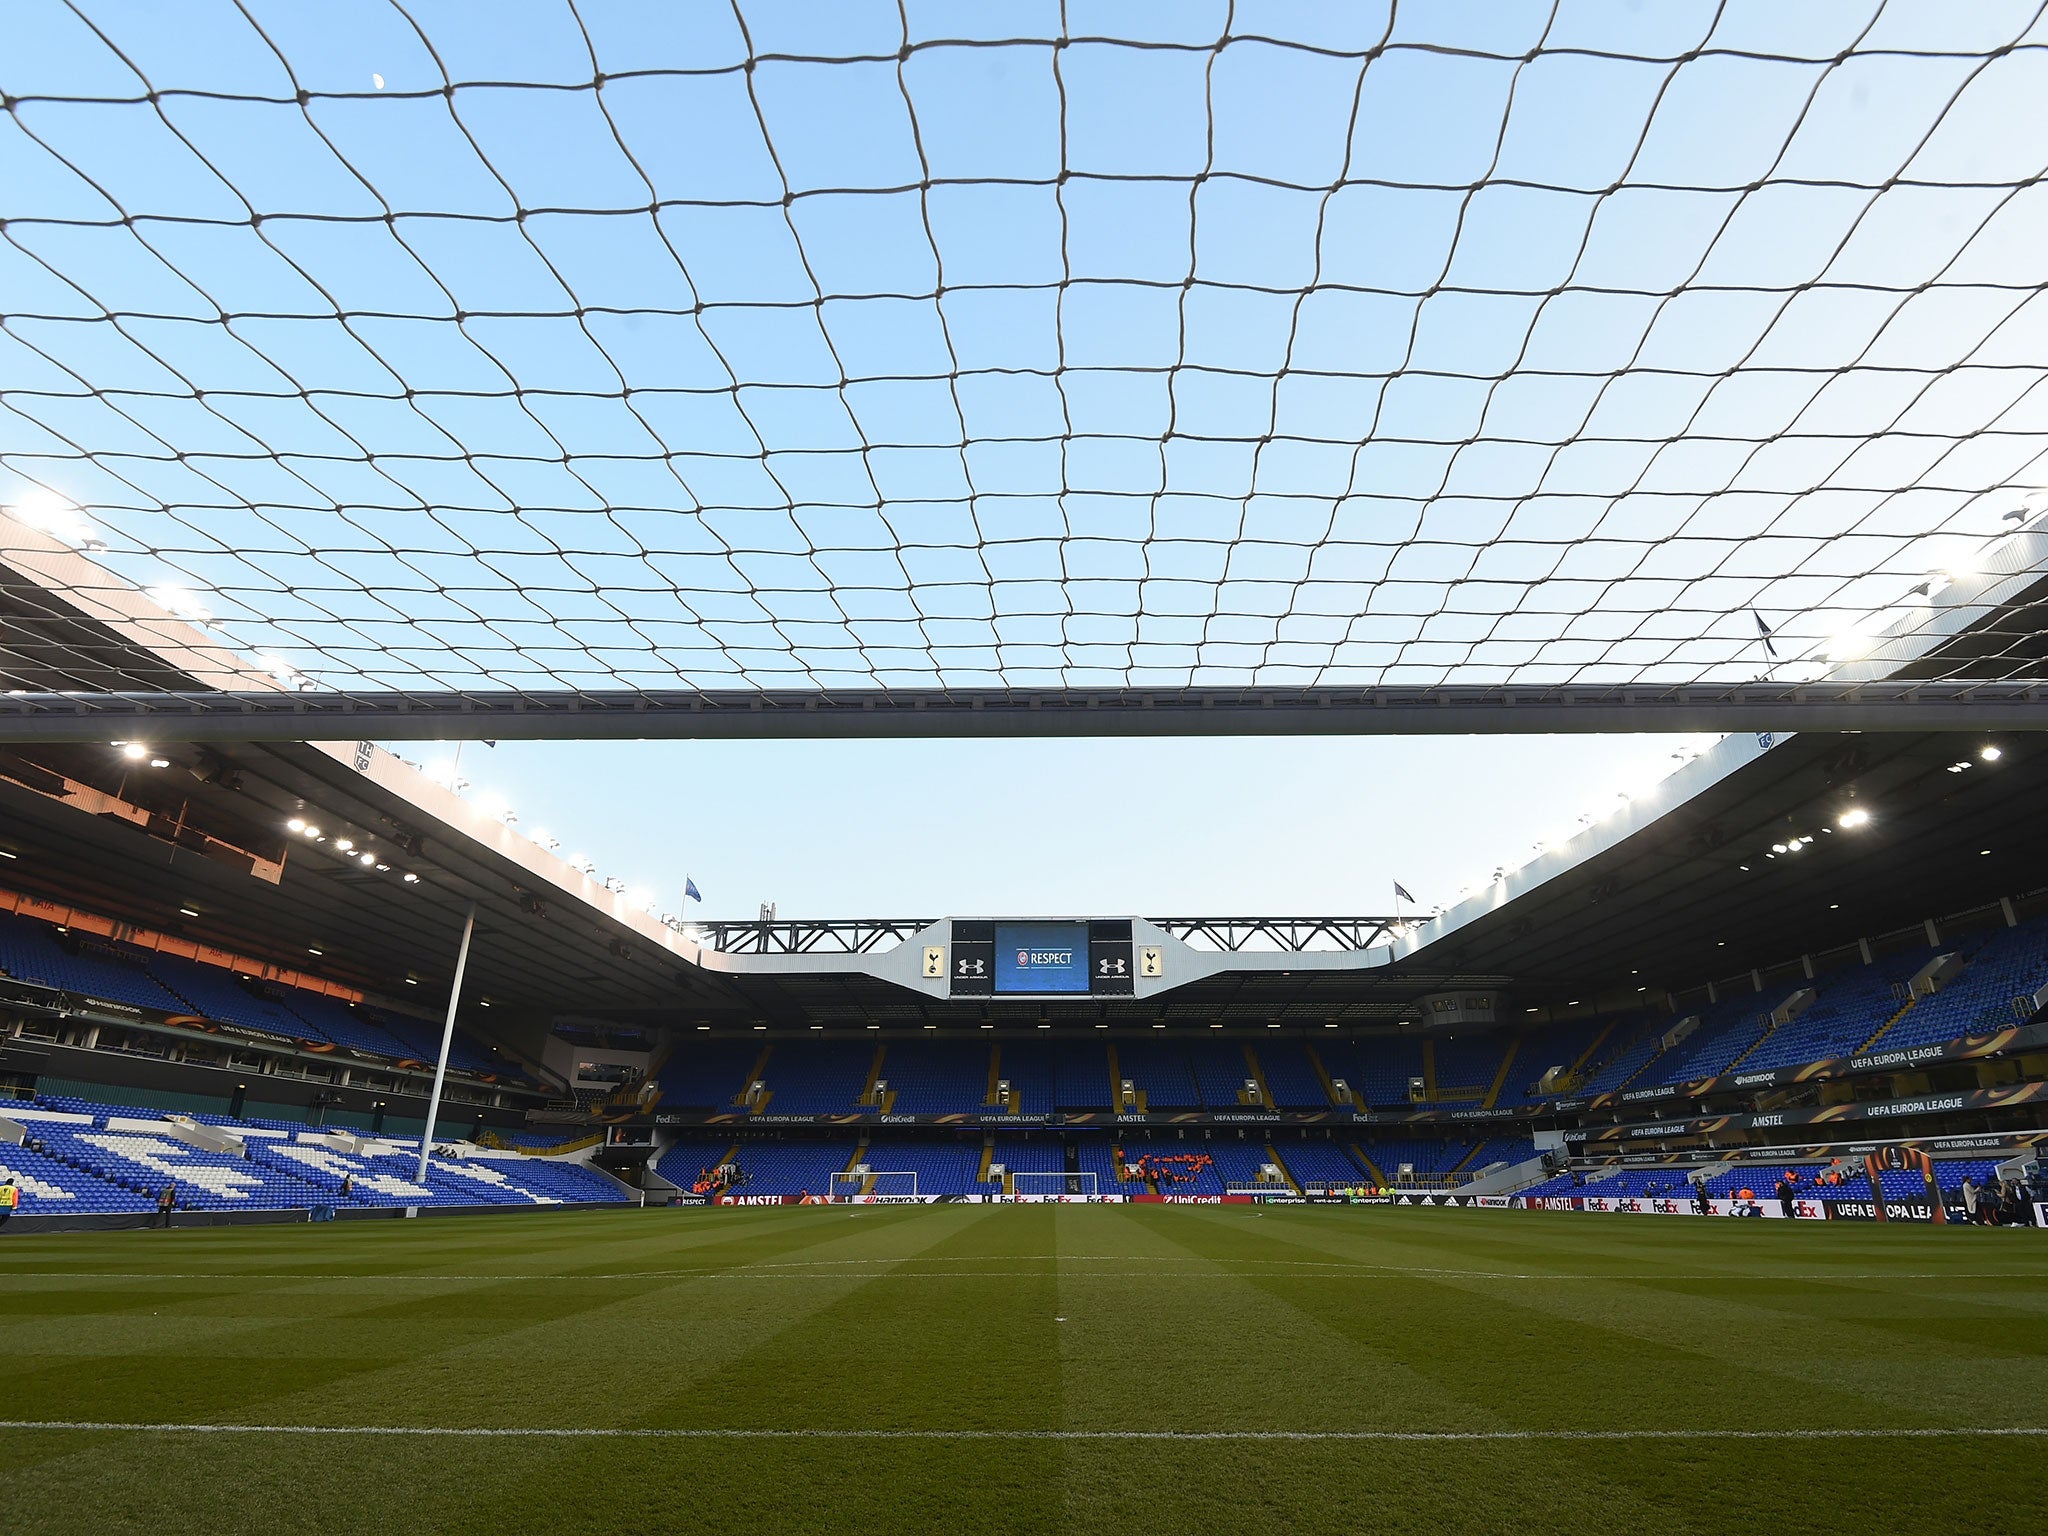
<point x="1023" y="958"/>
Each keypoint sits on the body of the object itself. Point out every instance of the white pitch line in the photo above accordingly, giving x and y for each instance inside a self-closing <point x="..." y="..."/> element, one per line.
<point x="1404" y="1436"/>
<point x="850" y="1269"/>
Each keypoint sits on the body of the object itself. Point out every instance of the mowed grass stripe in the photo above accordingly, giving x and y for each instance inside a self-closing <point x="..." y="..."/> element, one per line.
<point x="1401" y="1358"/>
<point x="1623" y="1343"/>
<point x="977" y="1345"/>
<point x="1204" y="1356"/>
<point x="495" y="1353"/>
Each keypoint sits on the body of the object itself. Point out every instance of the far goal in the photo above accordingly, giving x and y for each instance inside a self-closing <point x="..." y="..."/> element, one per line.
<point x="865" y="1185"/>
<point x="1053" y="1186"/>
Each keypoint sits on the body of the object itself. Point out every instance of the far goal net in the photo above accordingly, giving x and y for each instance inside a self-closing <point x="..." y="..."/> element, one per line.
<point x="1053" y="1186"/>
<point x="862" y="1184"/>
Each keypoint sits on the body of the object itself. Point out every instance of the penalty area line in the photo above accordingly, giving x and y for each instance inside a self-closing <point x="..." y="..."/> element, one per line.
<point x="1392" y="1436"/>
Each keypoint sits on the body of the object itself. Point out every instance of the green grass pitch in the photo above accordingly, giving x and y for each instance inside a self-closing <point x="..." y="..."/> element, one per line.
<point x="1027" y="1368"/>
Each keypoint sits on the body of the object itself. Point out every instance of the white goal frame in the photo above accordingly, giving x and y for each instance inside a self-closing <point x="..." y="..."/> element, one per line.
<point x="857" y="1194"/>
<point x="1084" y="1189"/>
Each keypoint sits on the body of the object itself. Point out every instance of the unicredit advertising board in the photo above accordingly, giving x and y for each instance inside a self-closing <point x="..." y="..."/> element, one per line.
<point x="1041" y="957"/>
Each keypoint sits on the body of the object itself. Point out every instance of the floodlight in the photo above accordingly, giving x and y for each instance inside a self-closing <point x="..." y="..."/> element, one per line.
<point x="366" y="858"/>
<point x="135" y="752"/>
<point x="50" y="513"/>
<point x="1855" y="816"/>
<point x="183" y="602"/>
<point x="1991" y="754"/>
<point x="411" y="878"/>
<point x="345" y="844"/>
<point x="296" y="824"/>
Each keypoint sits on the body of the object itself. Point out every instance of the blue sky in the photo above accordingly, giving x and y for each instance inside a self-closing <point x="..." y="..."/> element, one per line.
<point x="1308" y="826"/>
<point x="554" y="344"/>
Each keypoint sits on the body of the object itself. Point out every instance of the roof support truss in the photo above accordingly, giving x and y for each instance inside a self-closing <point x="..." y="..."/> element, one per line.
<point x="814" y="714"/>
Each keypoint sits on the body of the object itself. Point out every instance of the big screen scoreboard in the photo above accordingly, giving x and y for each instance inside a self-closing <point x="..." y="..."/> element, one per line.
<point x="1041" y="959"/>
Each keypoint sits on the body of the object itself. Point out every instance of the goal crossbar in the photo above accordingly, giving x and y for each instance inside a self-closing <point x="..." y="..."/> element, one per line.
<point x="874" y="1184"/>
<point x="1079" y="1185"/>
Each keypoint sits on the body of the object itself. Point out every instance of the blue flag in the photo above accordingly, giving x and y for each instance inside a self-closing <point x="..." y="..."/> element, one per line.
<point x="1402" y="891"/>
<point x="690" y="891"/>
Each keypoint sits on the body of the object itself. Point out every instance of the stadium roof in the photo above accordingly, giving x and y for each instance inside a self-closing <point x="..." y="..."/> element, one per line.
<point x="935" y="368"/>
<point x="1676" y="889"/>
<point x="1657" y="887"/>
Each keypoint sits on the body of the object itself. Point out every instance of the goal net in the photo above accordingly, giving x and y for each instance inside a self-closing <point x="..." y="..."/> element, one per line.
<point x="1053" y="1186"/>
<point x="870" y="1186"/>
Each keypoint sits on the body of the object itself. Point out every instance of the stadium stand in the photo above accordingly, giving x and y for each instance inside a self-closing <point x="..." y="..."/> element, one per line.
<point x="1028" y="1068"/>
<point x="1104" y="1160"/>
<point x="1081" y="1077"/>
<point x="1319" y="1164"/>
<point x="1631" y="1045"/>
<point x="1030" y="1154"/>
<point x="1761" y="1180"/>
<point x="280" y="1165"/>
<point x="1239" y="1164"/>
<point x="792" y="1167"/>
<point x="1200" y="1180"/>
<point x="1291" y="1077"/>
<point x="942" y="1168"/>
<point x="936" y="1077"/>
<point x="215" y="994"/>
<point x="689" y="1157"/>
<point x="1160" y="1071"/>
<point x="1220" y="1071"/>
<point x="1497" y="1150"/>
<point x="1850" y="1004"/>
<point x="1433" y="1159"/>
<point x="1466" y="1065"/>
<point x="708" y="1075"/>
<point x="2008" y="969"/>
<point x="35" y="951"/>
<point x="823" y="1079"/>
<point x="1727" y="1031"/>
<point x="1562" y="1043"/>
<point x="1378" y="1069"/>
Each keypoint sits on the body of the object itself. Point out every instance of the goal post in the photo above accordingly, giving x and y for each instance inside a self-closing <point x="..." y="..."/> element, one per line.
<point x="864" y="1185"/>
<point x="1053" y="1186"/>
<point x="848" y="1186"/>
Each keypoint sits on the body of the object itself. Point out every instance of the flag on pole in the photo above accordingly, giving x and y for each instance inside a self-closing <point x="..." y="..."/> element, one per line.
<point x="1764" y="630"/>
<point x="690" y="891"/>
<point x="1402" y="892"/>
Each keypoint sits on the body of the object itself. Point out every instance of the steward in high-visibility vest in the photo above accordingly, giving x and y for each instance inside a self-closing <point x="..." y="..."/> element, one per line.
<point x="10" y="1199"/>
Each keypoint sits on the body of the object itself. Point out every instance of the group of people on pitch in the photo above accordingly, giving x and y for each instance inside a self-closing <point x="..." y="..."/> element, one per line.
<point x="2003" y="1202"/>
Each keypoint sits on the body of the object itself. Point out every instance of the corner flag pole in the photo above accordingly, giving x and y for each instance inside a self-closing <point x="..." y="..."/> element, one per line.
<point x="447" y="1041"/>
